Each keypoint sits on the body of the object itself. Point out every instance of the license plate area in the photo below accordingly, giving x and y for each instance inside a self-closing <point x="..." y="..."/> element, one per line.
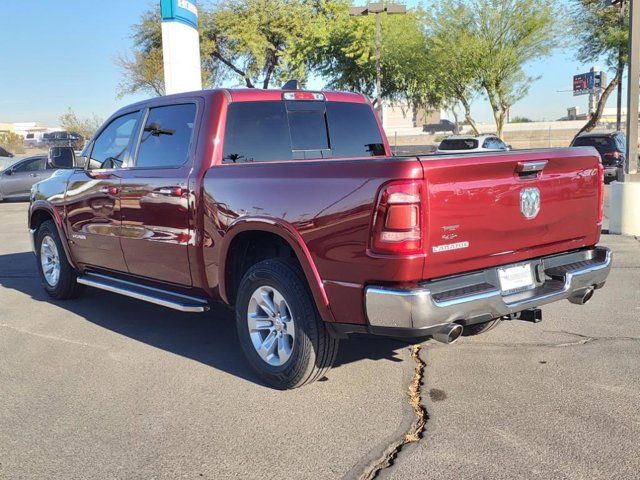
<point x="516" y="278"/>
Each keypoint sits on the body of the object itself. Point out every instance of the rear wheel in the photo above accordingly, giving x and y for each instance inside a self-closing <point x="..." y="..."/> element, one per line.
<point x="280" y="330"/>
<point x="478" y="328"/>
<point x="57" y="275"/>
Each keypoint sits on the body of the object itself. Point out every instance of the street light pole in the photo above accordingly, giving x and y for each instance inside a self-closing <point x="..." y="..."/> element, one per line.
<point x="376" y="9"/>
<point x="378" y="68"/>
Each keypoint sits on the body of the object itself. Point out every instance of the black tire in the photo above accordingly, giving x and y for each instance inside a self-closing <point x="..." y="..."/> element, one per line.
<point x="478" y="328"/>
<point x="313" y="349"/>
<point x="66" y="287"/>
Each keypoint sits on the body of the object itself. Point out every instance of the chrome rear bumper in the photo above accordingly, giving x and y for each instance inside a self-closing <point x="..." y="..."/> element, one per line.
<point x="476" y="297"/>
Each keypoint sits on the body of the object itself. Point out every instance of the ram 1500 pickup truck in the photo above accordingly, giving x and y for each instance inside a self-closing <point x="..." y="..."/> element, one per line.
<point x="288" y="205"/>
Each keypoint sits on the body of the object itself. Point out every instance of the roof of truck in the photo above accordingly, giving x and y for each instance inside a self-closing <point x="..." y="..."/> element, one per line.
<point x="258" y="94"/>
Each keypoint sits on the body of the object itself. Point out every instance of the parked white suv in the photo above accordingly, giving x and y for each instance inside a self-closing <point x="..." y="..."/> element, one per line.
<point x="472" y="143"/>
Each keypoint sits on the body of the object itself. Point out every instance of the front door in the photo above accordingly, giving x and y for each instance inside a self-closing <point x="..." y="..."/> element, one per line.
<point x="93" y="197"/>
<point x="156" y="219"/>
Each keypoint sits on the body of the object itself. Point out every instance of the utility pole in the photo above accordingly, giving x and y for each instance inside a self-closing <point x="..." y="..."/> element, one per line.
<point x="633" y="92"/>
<point x="376" y="9"/>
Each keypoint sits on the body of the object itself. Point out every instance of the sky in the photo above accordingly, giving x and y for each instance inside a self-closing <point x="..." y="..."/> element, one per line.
<point x="59" y="55"/>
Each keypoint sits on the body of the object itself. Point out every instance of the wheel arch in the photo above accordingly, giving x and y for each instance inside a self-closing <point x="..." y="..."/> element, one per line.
<point x="267" y="234"/>
<point x="40" y="212"/>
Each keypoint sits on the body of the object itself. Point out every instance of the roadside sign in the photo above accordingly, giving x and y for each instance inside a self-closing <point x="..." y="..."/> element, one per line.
<point x="183" y="11"/>
<point x="585" y="83"/>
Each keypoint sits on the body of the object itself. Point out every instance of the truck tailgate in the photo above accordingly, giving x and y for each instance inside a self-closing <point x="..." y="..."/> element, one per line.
<point x="478" y="205"/>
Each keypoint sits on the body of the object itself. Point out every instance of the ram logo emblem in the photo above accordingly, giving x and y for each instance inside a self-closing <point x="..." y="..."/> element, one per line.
<point x="530" y="202"/>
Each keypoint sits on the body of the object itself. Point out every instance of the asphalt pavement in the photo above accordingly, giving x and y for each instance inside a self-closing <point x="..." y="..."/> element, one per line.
<point x="109" y="387"/>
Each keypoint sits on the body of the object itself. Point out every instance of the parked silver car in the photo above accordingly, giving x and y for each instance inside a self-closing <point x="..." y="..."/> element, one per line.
<point x="16" y="180"/>
<point x="470" y="143"/>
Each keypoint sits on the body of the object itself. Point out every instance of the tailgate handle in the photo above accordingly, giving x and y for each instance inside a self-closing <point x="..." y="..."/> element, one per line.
<point x="524" y="168"/>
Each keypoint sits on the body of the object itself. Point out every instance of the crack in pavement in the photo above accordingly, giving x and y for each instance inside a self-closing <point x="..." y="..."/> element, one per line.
<point x="49" y="337"/>
<point x="414" y="433"/>
<point x="583" y="340"/>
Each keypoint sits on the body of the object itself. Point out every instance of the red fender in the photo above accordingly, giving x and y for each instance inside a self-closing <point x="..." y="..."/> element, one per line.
<point x="290" y="235"/>
<point x="42" y="205"/>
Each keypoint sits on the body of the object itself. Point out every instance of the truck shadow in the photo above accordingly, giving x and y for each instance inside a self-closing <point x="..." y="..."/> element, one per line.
<point x="209" y="338"/>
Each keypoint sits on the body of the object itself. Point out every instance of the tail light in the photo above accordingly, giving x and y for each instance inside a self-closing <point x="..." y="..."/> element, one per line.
<point x="600" y="192"/>
<point x="614" y="155"/>
<point x="397" y="222"/>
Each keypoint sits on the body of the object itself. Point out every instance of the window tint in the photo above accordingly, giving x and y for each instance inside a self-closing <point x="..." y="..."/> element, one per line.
<point x="267" y="131"/>
<point x="167" y="136"/>
<point x="111" y="148"/>
<point x="256" y="132"/>
<point x="30" y="136"/>
<point x="353" y="130"/>
<point x="308" y="127"/>
<point x="458" y="144"/>
<point x="31" y="165"/>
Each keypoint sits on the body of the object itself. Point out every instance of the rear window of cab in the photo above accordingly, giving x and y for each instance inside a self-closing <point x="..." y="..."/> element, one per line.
<point x="298" y="130"/>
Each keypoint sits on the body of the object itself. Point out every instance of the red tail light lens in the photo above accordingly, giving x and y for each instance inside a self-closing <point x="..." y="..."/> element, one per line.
<point x="616" y="155"/>
<point x="397" y="223"/>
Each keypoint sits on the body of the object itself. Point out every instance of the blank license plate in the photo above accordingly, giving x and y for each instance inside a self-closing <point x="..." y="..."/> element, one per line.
<point x="516" y="279"/>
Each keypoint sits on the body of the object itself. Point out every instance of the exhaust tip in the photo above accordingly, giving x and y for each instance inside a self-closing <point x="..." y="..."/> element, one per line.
<point x="448" y="334"/>
<point x="582" y="297"/>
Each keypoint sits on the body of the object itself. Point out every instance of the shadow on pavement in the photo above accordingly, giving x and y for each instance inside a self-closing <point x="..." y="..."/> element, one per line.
<point x="209" y="338"/>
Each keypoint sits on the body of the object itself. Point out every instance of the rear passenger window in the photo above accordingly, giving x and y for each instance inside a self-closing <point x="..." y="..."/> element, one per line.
<point x="267" y="131"/>
<point x="166" y="138"/>
<point x="354" y="131"/>
<point x="256" y="132"/>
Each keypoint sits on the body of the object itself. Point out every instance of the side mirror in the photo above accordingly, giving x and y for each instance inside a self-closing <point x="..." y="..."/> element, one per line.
<point x="62" y="157"/>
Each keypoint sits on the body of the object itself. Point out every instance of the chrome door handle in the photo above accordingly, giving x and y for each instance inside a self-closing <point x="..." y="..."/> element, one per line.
<point x="531" y="167"/>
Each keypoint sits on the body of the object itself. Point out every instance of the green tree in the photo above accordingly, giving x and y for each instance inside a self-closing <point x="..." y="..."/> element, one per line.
<point x="84" y="126"/>
<point x="342" y="51"/>
<point x="509" y="34"/>
<point x="453" y="56"/>
<point x="260" y="42"/>
<point x="602" y="33"/>
<point x="143" y="68"/>
<point x="12" y="142"/>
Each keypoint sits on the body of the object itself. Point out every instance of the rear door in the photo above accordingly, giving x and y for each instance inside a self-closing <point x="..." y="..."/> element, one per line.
<point x="92" y="197"/>
<point x="156" y="221"/>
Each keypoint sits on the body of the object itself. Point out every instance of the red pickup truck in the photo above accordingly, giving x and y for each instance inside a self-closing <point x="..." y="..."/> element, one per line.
<point x="288" y="205"/>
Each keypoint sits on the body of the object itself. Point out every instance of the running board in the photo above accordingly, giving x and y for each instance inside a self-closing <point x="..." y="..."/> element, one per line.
<point x="164" y="298"/>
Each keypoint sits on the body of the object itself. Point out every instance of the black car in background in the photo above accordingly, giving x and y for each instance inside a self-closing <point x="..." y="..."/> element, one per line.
<point x="441" y="126"/>
<point x="612" y="148"/>
<point x="63" y="139"/>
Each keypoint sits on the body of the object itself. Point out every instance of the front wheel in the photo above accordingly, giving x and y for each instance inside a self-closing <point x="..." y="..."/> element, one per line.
<point x="280" y="330"/>
<point x="57" y="275"/>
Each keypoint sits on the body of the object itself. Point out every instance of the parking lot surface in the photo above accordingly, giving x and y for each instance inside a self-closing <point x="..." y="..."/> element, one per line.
<point x="109" y="387"/>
